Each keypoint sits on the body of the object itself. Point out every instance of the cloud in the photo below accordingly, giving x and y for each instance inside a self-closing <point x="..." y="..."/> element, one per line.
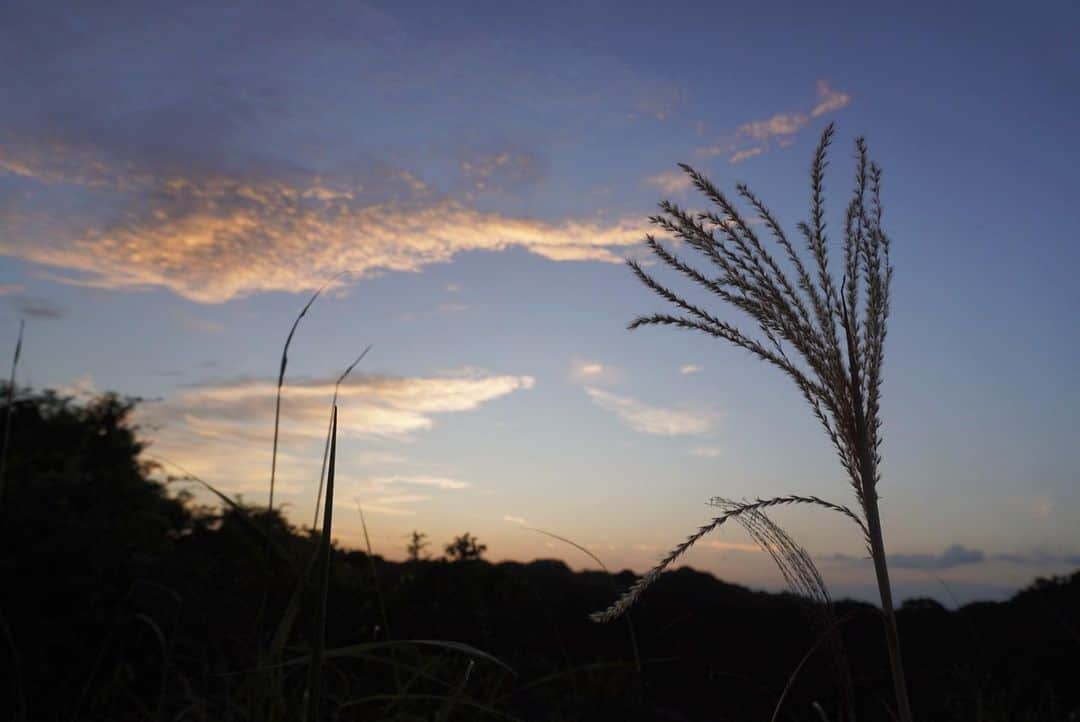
<point x="958" y="555"/>
<point x="595" y="372"/>
<point x="725" y="546"/>
<point x="515" y="519"/>
<point x="396" y="494"/>
<point x="213" y="237"/>
<point x="1037" y="558"/>
<point x="829" y="99"/>
<point x="689" y="369"/>
<point x="746" y="154"/>
<point x="387" y="406"/>
<point x="10" y="289"/>
<point x="223" y="430"/>
<point x="779" y="124"/>
<point x="954" y="556"/>
<point x="453" y="307"/>
<point x="435" y="482"/>
<point x="82" y="387"/>
<point x="671" y="181"/>
<point x="651" y="419"/>
<point x="34" y="307"/>
<point x="788" y="124"/>
<point x="707" y="452"/>
<point x="753" y="138"/>
<point x="501" y="172"/>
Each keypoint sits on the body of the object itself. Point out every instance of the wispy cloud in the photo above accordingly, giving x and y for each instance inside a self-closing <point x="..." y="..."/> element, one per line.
<point x="435" y="482"/>
<point x="515" y="519"/>
<point x="753" y="138"/>
<point x="690" y="369"/>
<point x="211" y="238"/>
<point x="209" y="426"/>
<point x="501" y="172"/>
<point x="371" y="404"/>
<point x="829" y="99"/>
<point x="651" y="419"/>
<point x="746" y="154"/>
<point x="707" y="452"/>
<point x="83" y="387"/>
<point x="726" y="546"/>
<point x="397" y="495"/>
<point x="671" y="181"/>
<point x="956" y="555"/>
<point x="594" y="372"/>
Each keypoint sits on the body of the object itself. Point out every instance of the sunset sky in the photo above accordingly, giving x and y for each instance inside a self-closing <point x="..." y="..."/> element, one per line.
<point x="175" y="183"/>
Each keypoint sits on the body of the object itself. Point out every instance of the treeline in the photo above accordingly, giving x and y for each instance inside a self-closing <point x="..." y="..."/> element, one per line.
<point x="122" y="599"/>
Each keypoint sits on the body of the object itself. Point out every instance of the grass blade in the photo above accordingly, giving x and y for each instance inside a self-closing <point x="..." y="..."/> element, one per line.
<point x="281" y="381"/>
<point x="319" y="646"/>
<point x="326" y="448"/>
<point x="802" y="662"/>
<point x="378" y="591"/>
<point x="360" y="650"/>
<point x="629" y="622"/>
<point x="7" y="415"/>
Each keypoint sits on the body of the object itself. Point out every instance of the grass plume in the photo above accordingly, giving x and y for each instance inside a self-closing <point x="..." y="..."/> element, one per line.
<point x="631" y="595"/>
<point x="824" y="330"/>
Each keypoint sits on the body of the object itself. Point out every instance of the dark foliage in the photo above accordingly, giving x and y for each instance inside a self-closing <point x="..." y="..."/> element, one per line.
<point x="121" y="601"/>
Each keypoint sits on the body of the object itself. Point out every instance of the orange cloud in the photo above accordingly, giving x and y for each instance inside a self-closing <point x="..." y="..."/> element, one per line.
<point x="216" y="238"/>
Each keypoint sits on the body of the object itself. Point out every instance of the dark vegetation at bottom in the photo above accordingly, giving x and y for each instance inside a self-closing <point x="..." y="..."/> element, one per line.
<point x="123" y="601"/>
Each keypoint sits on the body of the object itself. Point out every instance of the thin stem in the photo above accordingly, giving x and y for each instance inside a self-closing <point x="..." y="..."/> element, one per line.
<point x="7" y="416"/>
<point x="892" y="634"/>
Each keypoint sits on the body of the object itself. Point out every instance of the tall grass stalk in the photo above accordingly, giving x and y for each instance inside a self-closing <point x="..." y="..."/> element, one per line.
<point x="378" y="591"/>
<point x="587" y="552"/>
<point x="326" y="447"/>
<point x="281" y="382"/>
<point x="7" y="415"/>
<point x="318" y="647"/>
<point x="826" y="334"/>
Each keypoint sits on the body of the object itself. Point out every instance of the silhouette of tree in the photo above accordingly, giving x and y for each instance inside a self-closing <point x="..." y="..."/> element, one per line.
<point x="415" y="548"/>
<point x="464" y="548"/>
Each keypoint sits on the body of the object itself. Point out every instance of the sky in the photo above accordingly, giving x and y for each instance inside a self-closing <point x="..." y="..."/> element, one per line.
<point x="177" y="179"/>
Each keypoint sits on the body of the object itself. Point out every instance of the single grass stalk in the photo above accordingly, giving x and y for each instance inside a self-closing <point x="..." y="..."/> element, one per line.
<point x="802" y="663"/>
<point x="629" y="621"/>
<point x="825" y="333"/>
<point x="281" y="381"/>
<point x="361" y="651"/>
<point x="326" y="447"/>
<point x="7" y="415"/>
<point x="378" y="591"/>
<point x="241" y="513"/>
<point x="315" y="670"/>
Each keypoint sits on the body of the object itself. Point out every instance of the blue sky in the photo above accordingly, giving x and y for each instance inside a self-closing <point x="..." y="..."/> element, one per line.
<point x="176" y="181"/>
